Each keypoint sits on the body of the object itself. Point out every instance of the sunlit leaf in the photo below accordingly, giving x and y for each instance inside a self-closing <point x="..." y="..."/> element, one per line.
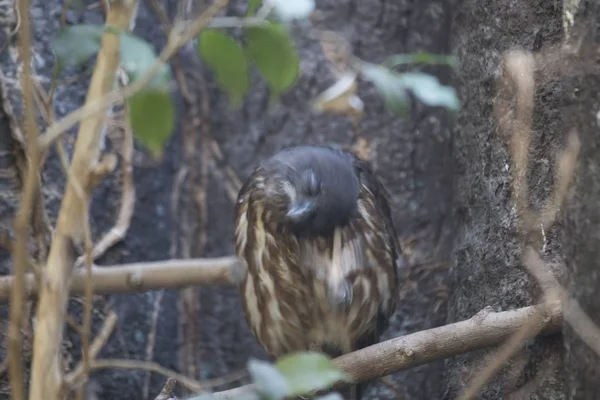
<point x="428" y="89"/>
<point x="420" y="58"/>
<point x="75" y="44"/>
<point x="138" y="56"/>
<point x="268" y="380"/>
<point x="227" y="60"/>
<point x="308" y="372"/>
<point x="272" y="50"/>
<point x="288" y="10"/>
<point x="152" y="116"/>
<point x="390" y="87"/>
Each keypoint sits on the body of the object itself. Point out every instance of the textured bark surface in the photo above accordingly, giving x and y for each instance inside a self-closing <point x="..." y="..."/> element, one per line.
<point x="582" y="216"/>
<point x="412" y="157"/>
<point x="486" y="265"/>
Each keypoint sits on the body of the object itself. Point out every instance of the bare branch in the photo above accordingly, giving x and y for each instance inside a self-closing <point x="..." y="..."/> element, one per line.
<point x="141" y="277"/>
<point x="482" y="330"/>
<point x="22" y="222"/>
<point x="109" y="325"/>
<point x="46" y="373"/>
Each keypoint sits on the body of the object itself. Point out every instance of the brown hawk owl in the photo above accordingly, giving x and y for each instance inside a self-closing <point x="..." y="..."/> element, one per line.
<point x="313" y="226"/>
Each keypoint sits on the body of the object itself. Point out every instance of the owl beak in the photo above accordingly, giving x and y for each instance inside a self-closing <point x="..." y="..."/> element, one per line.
<point x="300" y="212"/>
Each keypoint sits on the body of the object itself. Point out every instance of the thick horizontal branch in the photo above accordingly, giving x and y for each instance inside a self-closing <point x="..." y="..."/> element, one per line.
<point x="140" y="277"/>
<point x="486" y="329"/>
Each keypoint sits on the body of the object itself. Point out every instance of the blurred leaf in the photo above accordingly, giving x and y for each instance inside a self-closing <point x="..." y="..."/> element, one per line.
<point x="330" y="396"/>
<point x="390" y="86"/>
<point x="429" y="90"/>
<point x="420" y="58"/>
<point x="74" y="44"/>
<point x="138" y="56"/>
<point x="253" y="6"/>
<point x="152" y="116"/>
<point x="341" y="98"/>
<point x="272" y="50"/>
<point x="308" y="372"/>
<point x="227" y="60"/>
<point x="289" y="10"/>
<point x="268" y="380"/>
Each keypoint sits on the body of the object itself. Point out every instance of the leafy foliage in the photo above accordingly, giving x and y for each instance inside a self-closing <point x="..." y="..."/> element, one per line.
<point x="151" y="111"/>
<point x="253" y="6"/>
<point x="227" y="60"/>
<point x="75" y="44"/>
<point x="152" y="116"/>
<point x="138" y="56"/>
<point x="271" y="49"/>
<point x="393" y="88"/>
<point x="295" y="374"/>
<point x="420" y="58"/>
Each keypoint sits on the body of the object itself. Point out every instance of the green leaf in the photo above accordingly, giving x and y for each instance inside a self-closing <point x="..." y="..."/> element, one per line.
<point x="288" y="10"/>
<point x="74" y="44"/>
<point x="308" y="372"/>
<point x="429" y="90"/>
<point x="138" y="56"/>
<point x="227" y="60"/>
<point x="420" y="58"/>
<point x="390" y="86"/>
<point x="253" y="6"/>
<point x="272" y="50"/>
<point x="152" y="116"/>
<point x="268" y="380"/>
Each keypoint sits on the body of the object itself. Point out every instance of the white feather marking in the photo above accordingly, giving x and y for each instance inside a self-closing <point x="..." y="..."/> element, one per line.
<point x="266" y="283"/>
<point x="252" y="303"/>
<point x="289" y="191"/>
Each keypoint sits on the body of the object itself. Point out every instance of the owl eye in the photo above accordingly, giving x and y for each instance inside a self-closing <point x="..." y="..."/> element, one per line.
<point x="313" y="186"/>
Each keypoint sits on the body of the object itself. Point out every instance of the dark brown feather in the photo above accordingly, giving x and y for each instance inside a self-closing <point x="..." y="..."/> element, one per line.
<point x="330" y="283"/>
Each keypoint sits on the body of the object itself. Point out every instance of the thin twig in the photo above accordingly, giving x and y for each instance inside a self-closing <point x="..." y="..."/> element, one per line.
<point x="80" y="372"/>
<point x="189" y="383"/>
<point x="151" y="340"/>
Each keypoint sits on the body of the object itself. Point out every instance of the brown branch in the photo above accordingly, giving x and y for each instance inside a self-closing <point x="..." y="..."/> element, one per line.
<point x="485" y="329"/>
<point x="118" y="231"/>
<point x="46" y="373"/>
<point x="151" y="341"/>
<point x="24" y="214"/>
<point x="141" y="277"/>
<point x="80" y="371"/>
<point x="167" y="392"/>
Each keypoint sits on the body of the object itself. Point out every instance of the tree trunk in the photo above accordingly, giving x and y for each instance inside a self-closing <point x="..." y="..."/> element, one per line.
<point x="582" y="214"/>
<point x="487" y="268"/>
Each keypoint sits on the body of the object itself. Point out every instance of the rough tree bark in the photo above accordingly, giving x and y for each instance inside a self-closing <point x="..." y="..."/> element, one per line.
<point x="582" y="218"/>
<point x="412" y="157"/>
<point x="486" y="263"/>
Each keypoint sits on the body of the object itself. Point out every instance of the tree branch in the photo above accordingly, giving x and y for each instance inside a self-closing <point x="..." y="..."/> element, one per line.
<point x="46" y="376"/>
<point x="141" y="277"/>
<point x="22" y="222"/>
<point x="485" y="329"/>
